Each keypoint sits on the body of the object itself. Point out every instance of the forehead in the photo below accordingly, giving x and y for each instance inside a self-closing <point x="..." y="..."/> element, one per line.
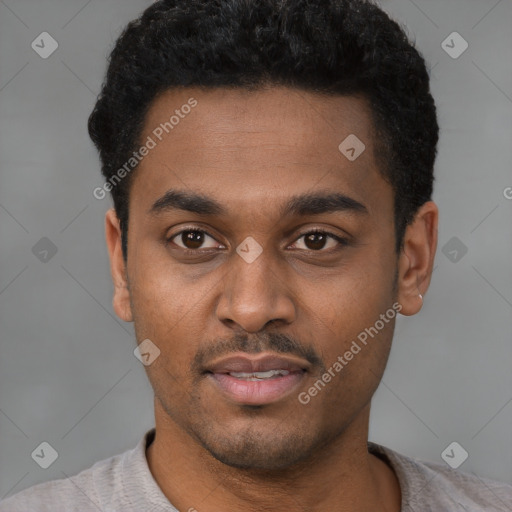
<point x="243" y="147"/>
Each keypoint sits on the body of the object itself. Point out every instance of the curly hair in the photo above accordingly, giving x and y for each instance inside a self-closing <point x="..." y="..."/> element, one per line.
<point x="334" y="47"/>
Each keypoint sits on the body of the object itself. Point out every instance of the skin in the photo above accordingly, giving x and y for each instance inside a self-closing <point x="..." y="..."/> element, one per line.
<point x="251" y="152"/>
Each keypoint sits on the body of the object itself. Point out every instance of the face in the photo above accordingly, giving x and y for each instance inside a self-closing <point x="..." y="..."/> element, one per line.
<point x="258" y="256"/>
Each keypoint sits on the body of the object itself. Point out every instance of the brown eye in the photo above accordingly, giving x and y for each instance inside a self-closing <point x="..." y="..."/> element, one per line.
<point x="193" y="239"/>
<point x="315" y="241"/>
<point x="318" y="240"/>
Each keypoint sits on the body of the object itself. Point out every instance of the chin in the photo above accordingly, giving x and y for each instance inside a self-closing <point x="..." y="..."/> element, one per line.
<point x="269" y="449"/>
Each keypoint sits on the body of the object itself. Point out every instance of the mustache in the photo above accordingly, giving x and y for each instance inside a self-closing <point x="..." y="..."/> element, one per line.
<point x="254" y="344"/>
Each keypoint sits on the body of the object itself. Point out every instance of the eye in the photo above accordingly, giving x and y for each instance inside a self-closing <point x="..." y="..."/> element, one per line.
<point x="317" y="240"/>
<point x="193" y="239"/>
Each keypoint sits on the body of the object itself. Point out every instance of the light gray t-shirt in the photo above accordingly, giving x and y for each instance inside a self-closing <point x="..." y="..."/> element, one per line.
<point x="124" y="483"/>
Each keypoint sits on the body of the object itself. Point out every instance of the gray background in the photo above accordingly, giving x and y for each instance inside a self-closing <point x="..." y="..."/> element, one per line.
<point x="68" y="375"/>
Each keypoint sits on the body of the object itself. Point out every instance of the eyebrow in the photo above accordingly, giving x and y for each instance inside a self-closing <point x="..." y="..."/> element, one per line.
<point x="301" y="205"/>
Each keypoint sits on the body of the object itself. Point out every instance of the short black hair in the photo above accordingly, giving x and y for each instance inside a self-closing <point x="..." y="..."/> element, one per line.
<point x="334" y="47"/>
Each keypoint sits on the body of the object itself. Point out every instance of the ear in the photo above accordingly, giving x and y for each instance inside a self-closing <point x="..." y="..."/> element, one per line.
<point x="121" y="299"/>
<point x="416" y="260"/>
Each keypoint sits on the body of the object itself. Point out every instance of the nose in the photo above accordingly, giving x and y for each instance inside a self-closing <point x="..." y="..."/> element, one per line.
<point x="255" y="294"/>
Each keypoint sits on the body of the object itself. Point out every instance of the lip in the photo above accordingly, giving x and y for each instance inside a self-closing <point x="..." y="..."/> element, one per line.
<point x="261" y="363"/>
<point x="261" y="392"/>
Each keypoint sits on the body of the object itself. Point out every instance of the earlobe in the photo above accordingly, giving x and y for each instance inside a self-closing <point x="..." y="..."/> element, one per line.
<point x="121" y="298"/>
<point x="416" y="260"/>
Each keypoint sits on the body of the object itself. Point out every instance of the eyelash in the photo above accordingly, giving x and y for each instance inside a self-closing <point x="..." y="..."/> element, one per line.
<point x="342" y="241"/>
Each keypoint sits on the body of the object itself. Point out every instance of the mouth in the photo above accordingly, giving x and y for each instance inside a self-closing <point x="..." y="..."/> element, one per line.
<point x="260" y="380"/>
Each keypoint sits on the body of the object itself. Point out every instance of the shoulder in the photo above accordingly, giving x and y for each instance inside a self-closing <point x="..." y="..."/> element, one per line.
<point x="431" y="486"/>
<point x="119" y="481"/>
<point x="72" y="494"/>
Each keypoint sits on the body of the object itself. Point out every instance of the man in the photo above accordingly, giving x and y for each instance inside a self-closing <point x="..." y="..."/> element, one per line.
<point x="271" y="166"/>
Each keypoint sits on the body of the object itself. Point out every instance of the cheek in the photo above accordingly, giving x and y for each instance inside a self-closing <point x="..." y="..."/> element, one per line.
<point x="355" y="362"/>
<point x="159" y="292"/>
<point x="352" y="300"/>
<point x="167" y="315"/>
<point x="355" y="323"/>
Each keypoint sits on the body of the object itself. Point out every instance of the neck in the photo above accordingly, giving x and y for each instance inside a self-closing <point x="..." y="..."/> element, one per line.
<point x="342" y="476"/>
